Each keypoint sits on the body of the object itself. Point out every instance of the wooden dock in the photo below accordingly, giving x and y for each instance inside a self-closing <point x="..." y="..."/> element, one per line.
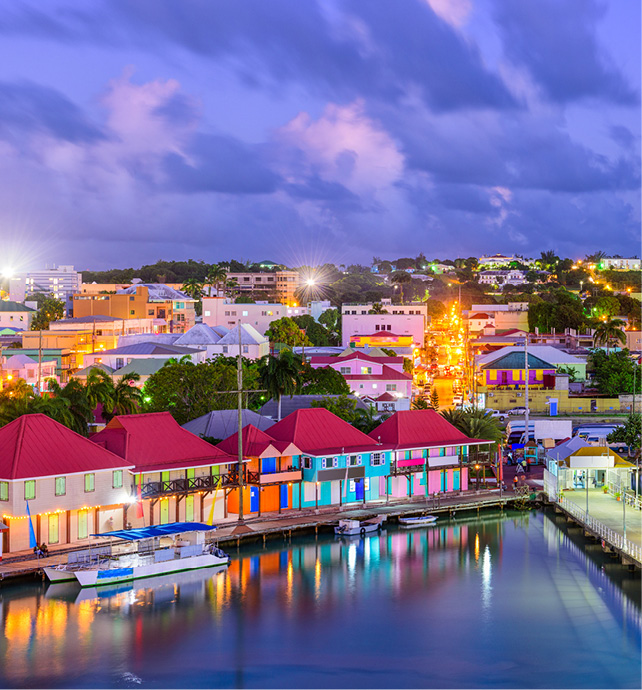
<point x="274" y="526"/>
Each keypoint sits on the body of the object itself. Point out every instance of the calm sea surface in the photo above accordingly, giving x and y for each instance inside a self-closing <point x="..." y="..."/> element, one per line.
<point x="499" y="602"/>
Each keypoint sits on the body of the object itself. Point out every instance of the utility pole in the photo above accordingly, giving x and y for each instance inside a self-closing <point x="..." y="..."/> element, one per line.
<point x="40" y="362"/>
<point x="526" y="415"/>
<point x="239" y="375"/>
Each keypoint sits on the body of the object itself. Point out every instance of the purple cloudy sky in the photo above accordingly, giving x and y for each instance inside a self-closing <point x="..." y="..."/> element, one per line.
<point x="314" y="130"/>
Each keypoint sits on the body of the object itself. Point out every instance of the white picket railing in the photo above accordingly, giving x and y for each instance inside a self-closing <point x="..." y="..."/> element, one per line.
<point x="608" y="535"/>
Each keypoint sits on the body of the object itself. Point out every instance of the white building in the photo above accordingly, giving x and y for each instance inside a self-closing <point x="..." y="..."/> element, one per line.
<point x="622" y="264"/>
<point x="118" y="357"/>
<point x="223" y="341"/>
<point x="361" y="308"/>
<point x="508" y="277"/>
<point x="15" y="315"/>
<point x="23" y="367"/>
<point x="62" y="282"/>
<point x="220" y="311"/>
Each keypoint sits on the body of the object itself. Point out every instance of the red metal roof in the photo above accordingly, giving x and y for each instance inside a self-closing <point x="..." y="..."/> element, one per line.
<point x="387" y="374"/>
<point x="317" y="431"/>
<point x="35" y="445"/>
<point x="420" y="429"/>
<point x="385" y="397"/>
<point x="355" y="355"/>
<point x="257" y="444"/>
<point x="155" y="442"/>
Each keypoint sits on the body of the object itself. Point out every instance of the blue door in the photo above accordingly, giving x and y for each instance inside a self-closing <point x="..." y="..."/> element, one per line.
<point x="268" y="465"/>
<point x="444" y="480"/>
<point x="254" y="499"/>
<point x="455" y="480"/>
<point x="284" y="495"/>
<point x="358" y="489"/>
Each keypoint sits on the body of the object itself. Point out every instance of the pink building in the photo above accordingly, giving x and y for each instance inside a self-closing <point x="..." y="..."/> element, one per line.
<point x="372" y="377"/>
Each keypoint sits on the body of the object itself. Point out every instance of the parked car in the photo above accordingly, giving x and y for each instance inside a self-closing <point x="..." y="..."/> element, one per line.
<point x="517" y="410"/>
<point x="496" y="414"/>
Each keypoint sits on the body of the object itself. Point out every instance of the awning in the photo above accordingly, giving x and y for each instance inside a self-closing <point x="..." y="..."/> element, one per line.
<point x="157" y="531"/>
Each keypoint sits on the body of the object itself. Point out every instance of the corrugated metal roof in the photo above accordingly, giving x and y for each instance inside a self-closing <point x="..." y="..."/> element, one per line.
<point x="223" y="423"/>
<point x="318" y="431"/>
<point x="420" y="429"/>
<point x="155" y="442"/>
<point x="149" y="348"/>
<point x="517" y="360"/>
<point x="9" y="305"/>
<point x="544" y="352"/>
<point x="387" y="374"/>
<point x="35" y="445"/>
<point x="256" y="443"/>
<point x="201" y="334"/>
<point x="144" y="367"/>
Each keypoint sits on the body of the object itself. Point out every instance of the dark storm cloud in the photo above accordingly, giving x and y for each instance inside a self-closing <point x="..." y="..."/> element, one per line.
<point x="315" y="188"/>
<point x="219" y="164"/>
<point x="377" y="48"/>
<point x="556" y="42"/>
<point x="28" y="107"/>
<point x="522" y="152"/>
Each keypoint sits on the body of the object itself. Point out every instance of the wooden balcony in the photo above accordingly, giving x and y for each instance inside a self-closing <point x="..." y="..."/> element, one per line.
<point x="189" y="486"/>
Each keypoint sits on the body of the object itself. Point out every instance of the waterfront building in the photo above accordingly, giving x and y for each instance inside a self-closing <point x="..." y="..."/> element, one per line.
<point x="339" y="463"/>
<point x="273" y="472"/>
<point x="427" y="453"/>
<point x="74" y="487"/>
<point x="181" y="477"/>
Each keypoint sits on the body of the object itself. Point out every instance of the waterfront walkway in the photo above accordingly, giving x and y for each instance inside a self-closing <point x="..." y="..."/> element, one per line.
<point x="610" y="512"/>
<point x="23" y="563"/>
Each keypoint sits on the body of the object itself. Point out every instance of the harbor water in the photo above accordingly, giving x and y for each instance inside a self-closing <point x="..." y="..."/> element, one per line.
<point x="501" y="601"/>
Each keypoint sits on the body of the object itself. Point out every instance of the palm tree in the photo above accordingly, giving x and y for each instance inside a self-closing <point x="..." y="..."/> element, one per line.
<point x="126" y="397"/>
<point x="231" y="286"/>
<point x="216" y="277"/>
<point x="99" y="388"/>
<point x="595" y="258"/>
<point x="280" y="375"/>
<point x="548" y="260"/>
<point x="194" y="288"/>
<point x="377" y="308"/>
<point x="75" y="395"/>
<point x="367" y="420"/>
<point x="475" y="424"/>
<point x="420" y="404"/>
<point x="609" y="332"/>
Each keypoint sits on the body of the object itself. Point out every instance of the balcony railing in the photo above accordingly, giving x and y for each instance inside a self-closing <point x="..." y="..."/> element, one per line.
<point x="188" y="486"/>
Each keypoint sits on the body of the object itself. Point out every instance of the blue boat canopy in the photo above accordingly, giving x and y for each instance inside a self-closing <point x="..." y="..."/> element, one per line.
<point x="157" y="531"/>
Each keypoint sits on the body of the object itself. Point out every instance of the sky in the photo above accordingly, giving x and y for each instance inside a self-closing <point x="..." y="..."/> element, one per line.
<point x="305" y="131"/>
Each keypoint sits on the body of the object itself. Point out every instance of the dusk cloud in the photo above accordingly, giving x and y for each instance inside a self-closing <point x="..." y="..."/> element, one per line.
<point x="334" y="130"/>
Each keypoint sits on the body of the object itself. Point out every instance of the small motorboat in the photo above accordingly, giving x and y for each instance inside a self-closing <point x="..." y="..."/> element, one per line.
<point x="352" y="528"/>
<point x="419" y="521"/>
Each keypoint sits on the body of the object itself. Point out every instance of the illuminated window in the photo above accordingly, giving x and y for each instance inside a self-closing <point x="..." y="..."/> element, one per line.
<point x="4" y="491"/>
<point x="30" y="490"/>
<point x="117" y="479"/>
<point x="61" y="486"/>
<point x="90" y="479"/>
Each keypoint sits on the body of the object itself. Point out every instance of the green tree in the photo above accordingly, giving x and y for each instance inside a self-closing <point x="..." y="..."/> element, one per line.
<point x="609" y="333"/>
<point x="74" y="393"/>
<point x="331" y="319"/>
<point x="420" y="404"/>
<point x="322" y="381"/>
<point x="49" y="309"/>
<point x="126" y="398"/>
<point x="614" y="373"/>
<point x="286" y="331"/>
<point x="434" y="400"/>
<point x="344" y="407"/>
<point x="570" y="371"/>
<point x="189" y="390"/>
<point x="400" y="278"/>
<point x="281" y="375"/>
<point x="316" y="333"/>
<point x="194" y="288"/>
<point x="435" y="308"/>
<point x="606" y="305"/>
<point x="548" y="260"/>
<point x="629" y="433"/>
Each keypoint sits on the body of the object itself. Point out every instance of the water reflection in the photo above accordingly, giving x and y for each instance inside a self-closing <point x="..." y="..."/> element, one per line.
<point x="394" y="609"/>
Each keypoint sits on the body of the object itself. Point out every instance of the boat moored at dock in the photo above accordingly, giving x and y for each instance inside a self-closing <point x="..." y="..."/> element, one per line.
<point x="145" y="552"/>
<point x="418" y="521"/>
<point x="353" y="528"/>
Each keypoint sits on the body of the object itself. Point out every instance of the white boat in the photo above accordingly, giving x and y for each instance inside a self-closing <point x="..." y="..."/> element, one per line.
<point x="351" y="528"/>
<point x="66" y="572"/>
<point x="146" y="552"/>
<point x="419" y="521"/>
